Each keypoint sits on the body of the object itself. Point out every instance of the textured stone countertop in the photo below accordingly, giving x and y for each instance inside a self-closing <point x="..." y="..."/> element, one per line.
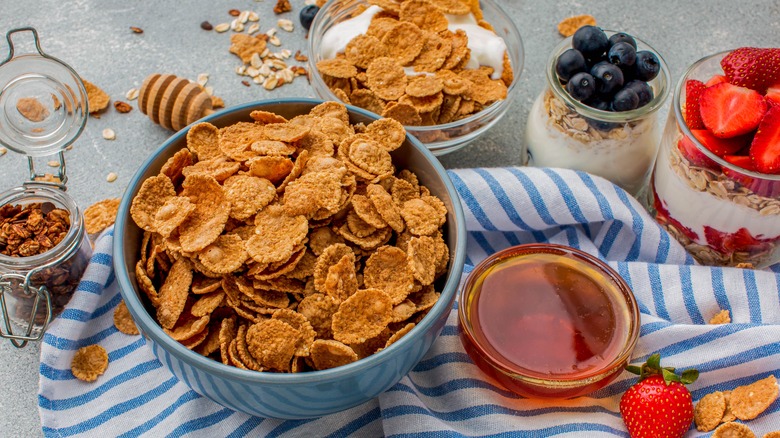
<point x="94" y="37"/>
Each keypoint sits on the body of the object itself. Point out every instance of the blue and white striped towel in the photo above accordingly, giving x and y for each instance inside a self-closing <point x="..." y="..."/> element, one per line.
<point x="446" y="395"/>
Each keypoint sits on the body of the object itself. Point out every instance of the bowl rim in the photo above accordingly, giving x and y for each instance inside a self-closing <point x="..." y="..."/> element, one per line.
<point x="151" y="329"/>
<point x="506" y="102"/>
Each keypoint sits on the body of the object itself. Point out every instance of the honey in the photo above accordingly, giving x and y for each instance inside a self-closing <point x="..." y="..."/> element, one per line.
<point x="547" y="320"/>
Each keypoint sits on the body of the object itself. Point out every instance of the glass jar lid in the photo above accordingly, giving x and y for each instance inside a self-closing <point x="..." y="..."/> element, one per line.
<point x="43" y="102"/>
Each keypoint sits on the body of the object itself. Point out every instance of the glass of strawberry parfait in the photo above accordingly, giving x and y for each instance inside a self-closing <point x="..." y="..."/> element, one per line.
<point x="716" y="182"/>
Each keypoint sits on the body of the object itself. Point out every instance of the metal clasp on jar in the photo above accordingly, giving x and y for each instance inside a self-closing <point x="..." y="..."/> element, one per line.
<point x="18" y="286"/>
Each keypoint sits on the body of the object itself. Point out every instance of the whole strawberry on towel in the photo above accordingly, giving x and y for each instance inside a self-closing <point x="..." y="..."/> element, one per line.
<point x="658" y="405"/>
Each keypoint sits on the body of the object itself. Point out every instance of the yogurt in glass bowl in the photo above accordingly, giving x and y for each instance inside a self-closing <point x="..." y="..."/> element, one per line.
<point x="447" y="79"/>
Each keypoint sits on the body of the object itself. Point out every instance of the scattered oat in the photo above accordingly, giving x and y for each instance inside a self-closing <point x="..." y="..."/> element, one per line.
<point x="109" y="134"/>
<point x="202" y="79"/>
<point x="285" y="24"/>
<point x="111" y="177"/>
<point x="132" y="94"/>
<point x="3" y="151"/>
<point x="89" y="362"/>
<point x="53" y="163"/>
<point x="222" y="27"/>
<point x="568" y="26"/>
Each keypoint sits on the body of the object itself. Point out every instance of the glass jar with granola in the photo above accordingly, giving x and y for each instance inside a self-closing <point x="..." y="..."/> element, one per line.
<point x="716" y="183"/>
<point x="44" y="246"/>
<point x="44" y="251"/>
<point x="598" y="112"/>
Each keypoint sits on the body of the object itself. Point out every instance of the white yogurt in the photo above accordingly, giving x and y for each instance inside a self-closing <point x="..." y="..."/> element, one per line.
<point x="695" y="209"/>
<point x="486" y="47"/>
<point x="627" y="162"/>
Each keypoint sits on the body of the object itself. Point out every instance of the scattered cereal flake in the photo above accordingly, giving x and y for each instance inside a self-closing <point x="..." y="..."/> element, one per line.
<point x="434" y="53"/>
<point x="172" y="214"/>
<point x="365" y="209"/>
<point x="337" y="68"/>
<point x="188" y="326"/>
<point x="421" y="255"/>
<point x="404" y="42"/>
<point x="774" y="434"/>
<point x="403" y="112"/>
<point x="403" y="311"/>
<point x="132" y="94"/>
<point x="218" y="168"/>
<point x="363" y="49"/>
<point x="309" y="193"/>
<point x="388" y="270"/>
<point x="423" y="86"/>
<point x="244" y="46"/>
<point x="272" y="168"/>
<point x="569" y="25"/>
<point x="454" y="7"/>
<point x="362" y="316"/>
<point x="207" y="303"/>
<point x="242" y="349"/>
<point x="227" y="333"/>
<point x="733" y="430"/>
<point x="285" y="24"/>
<point x="749" y="401"/>
<point x="341" y="280"/>
<point x="272" y="343"/>
<point x="152" y="195"/>
<point x="424" y="15"/>
<point x="265" y="117"/>
<point x="173" y="293"/>
<point x="32" y="109"/>
<point x="109" y="134"/>
<point x="101" y="215"/>
<point x="123" y="321"/>
<point x="236" y="140"/>
<point x="366" y="99"/>
<point x="420" y="217"/>
<point x="722" y="317"/>
<point x="383" y="202"/>
<point x="727" y="414"/>
<point x="326" y="354"/>
<point x="224" y="255"/>
<point x="97" y="99"/>
<point x="197" y="339"/>
<point x="247" y="195"/>
<point x="330" y="256"/>
<point x="709" y="410"/>
<point x="89" y="362"/>
<point x="145" y="283"/>
<point x="175" y="165"/>
<point x="211" y="213"/>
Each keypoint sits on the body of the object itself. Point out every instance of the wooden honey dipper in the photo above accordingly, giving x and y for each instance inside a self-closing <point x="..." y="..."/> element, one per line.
<point x="173" y="102"/>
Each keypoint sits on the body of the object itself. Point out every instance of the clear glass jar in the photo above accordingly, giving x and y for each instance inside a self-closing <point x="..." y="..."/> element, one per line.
<point x="619" y="146"/>
<point x="50" y="277"/>
<point x="722" y="214"/>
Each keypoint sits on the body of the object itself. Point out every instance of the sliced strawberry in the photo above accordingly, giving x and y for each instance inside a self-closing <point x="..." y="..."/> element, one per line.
<point x="752" y="67"/>
<point x="772" y="95"/>
<point x="729" y="111"/>
<point x="742" y="161"/>
<point x="696" y="157"/>
<point x="720" y="146"/>
<point x="759" y="186"/>
<point x="693" y="90"/>
<point x="739" y="241"/>
<point x="765" y="149"/>
<point x="715" y="80"/>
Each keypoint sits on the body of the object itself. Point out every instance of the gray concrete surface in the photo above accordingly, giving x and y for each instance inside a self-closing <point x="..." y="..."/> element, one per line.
<point x="94" y="37"/>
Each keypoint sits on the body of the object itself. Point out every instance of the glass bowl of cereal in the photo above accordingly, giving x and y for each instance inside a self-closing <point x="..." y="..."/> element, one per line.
<point x="447" y="70"/>
<point x="279" y="277"/>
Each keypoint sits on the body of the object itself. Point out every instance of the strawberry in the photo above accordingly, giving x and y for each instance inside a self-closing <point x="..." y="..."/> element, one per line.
<point x="728" y="110"/>
<point x="658" y="405"/>
<point x="720" y="146"/>
<point x="765" y="148"/>
<point x="760" y="186"/>
<point x="752" y="67"/>
<point x="772" y="95"/>
<point x="717" y="79"/>
<point x="696" y="157"/>
<point x="693" y="90"/>
<point x="738" y="241"/>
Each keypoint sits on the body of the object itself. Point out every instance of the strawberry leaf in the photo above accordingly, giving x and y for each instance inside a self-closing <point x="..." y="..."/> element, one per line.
<point x="689" y="376"/>
<point x="669" y="376"/>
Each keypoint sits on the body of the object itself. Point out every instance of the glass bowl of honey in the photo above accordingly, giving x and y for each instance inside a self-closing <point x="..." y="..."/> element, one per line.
<point x="548" y="320"/>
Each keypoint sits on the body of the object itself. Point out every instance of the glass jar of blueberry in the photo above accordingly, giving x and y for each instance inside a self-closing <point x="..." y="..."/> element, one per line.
<point x="599" y="110"/>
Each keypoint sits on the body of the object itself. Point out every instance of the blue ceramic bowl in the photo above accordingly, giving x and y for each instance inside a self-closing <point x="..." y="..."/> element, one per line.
<point x="303" y="395"/>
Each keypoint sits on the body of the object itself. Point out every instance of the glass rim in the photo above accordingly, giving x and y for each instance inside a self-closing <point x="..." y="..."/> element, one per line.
<point x="629" y="301"/>
<point x="658" y="101"/>
<point x="686" y="131"/>
<point x="476" y="117"/>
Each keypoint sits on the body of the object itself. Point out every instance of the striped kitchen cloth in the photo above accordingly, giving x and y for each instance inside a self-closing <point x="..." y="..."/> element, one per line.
<point x="445" y="395"/>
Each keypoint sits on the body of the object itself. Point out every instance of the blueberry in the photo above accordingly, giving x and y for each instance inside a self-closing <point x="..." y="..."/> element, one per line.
<point x="621" y="37"/>
<point x="647" y="66"/>
<point x="609" y="78"/>
<point x="644" y="91"/>
<point x="581" y="86"/>
<point x="599" y="104"/>
<point x="625" y="100"/>
<point x="591" y="41"/>
<point x="307" y="15"/>
<point x="569" y="64"/>
<point x="622" y="55"/>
